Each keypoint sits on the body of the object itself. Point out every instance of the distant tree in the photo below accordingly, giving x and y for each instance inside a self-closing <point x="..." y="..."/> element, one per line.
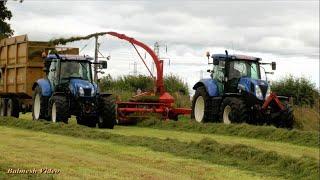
<point x="303" y="91"/>
<point x="5" y="14"/>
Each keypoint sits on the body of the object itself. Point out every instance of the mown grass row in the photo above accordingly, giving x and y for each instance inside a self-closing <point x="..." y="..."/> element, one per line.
<point x="304" y="138"/>
<point x="239" y="156"/>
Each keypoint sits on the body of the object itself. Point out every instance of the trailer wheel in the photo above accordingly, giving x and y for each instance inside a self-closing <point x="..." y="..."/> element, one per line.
<point x="13" y="108"/>
<point x="59" y="109"/>
<point x="87" y="121"/>
<point x="234" y="110"/>
<point x="202" y="108"/>
<point x="107" y="113"/>
<point x="39" y="105"/>
<point x="3" y="107"/>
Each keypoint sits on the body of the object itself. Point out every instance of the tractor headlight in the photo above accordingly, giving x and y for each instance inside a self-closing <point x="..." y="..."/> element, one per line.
<point x="258" y="92"/>
<point x="81" y="91"/>
<point x="93" y="93"/>
<point x="268" y="92"/>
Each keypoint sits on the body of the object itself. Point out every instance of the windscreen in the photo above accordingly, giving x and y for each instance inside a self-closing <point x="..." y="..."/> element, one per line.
<point x="238" y="69"/>
<point x="75" y="69"/>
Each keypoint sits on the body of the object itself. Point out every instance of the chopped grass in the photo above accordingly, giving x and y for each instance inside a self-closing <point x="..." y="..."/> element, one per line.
<point x="290" y="149"/>
<point x="79" y="158"/>
<point x="237" y="156"/>
<point x="304" y="138"/>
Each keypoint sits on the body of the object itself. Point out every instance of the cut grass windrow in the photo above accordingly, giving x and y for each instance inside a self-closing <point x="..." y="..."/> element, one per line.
<point x="304" y="138"/>
<point x="238" y="156"/>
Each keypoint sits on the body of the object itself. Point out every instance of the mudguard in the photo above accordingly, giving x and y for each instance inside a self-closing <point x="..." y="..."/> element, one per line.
<point x="45" y="86"/>
<point x="210" y="85"/>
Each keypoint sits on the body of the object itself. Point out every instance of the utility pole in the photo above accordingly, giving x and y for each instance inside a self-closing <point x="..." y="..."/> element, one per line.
<point x="156" y="50"/>
<point x="201" y="74"/>
<point x="135" y="70"/>
<point x="96" y="49"/>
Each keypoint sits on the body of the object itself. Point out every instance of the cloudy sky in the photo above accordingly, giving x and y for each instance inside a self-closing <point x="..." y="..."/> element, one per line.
<point x="283" y="31"/>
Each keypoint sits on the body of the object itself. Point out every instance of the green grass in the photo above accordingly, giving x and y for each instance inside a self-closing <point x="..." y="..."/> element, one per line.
<point x="96" y="159"/>
<point x="308" y="118"/>
<point x="287" y="149"/>
<point x="237" y="156"/>
<point x="268" y="133"/>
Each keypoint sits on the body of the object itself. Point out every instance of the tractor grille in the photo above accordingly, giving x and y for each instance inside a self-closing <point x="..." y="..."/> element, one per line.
<point x="263" y="89"/>
<point x="87" y="92"/>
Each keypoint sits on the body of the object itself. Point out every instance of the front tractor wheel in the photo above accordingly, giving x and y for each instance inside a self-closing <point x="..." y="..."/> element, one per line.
<point x="234" y="110"/>
<point x="107" y="113"/>
<point x="59" y="109"/>
<point x="202" y="108"/>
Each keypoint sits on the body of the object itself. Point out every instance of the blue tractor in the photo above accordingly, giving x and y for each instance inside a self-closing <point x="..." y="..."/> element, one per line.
<point x="68" y="89"/>
<point x="236" y="93"/>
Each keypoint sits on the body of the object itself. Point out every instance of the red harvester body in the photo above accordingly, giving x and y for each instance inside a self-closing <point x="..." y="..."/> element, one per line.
<point x="159" y="101"/>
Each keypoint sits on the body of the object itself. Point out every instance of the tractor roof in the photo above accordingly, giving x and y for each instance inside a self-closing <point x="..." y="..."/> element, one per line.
<point x="69" y="57"/>
<point x="223" y="57"/>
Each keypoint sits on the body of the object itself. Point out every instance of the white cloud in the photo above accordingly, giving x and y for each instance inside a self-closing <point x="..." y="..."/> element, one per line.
<point x="283" y="31"/>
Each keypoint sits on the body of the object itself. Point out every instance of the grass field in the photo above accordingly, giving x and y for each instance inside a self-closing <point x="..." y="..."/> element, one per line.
<point x="154" y="152"/>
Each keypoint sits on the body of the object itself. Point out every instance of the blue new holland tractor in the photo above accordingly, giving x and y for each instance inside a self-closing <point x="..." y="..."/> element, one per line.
<point x="68" y="89"/>
<point x="236" y="93"/>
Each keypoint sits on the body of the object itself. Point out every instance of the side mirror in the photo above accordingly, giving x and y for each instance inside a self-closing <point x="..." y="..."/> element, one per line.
<point x="208" y="70"/>
<point x="208" y="55"/>
<point x="274" y="65"/>
<point x="104" y="64"/>
<point x="215" y="62"/>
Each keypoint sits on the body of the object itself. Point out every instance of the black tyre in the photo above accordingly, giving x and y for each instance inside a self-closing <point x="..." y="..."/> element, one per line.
<point x="234" y="110"/>
<point x="3" y="107"/>
<point x="286" y="118"/>
<point x="39" y="105"/>
<point x="58" y="109"/>
<point x="13" y="107"/>
<point x="202" y="108"/>
<point x="87" y="121"/>
<point x="107" y="113"/>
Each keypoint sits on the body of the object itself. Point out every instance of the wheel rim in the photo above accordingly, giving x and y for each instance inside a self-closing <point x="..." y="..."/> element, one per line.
<point x="9" y="108"/>
<point x="199" y="109"/>
<point x="226" y="113"/>
<point x="54" y="113"/>
<point x="36" y="107"/>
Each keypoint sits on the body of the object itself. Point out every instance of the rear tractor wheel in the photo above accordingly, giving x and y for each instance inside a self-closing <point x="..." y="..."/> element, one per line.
<point x="202" y="108"/>
<point x="39" y="105"/>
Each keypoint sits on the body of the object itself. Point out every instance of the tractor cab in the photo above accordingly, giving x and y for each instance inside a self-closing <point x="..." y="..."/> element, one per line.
<point x="70" y="71"/>
<point x="64" y="69"/>
<point x="234" y="73"/>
